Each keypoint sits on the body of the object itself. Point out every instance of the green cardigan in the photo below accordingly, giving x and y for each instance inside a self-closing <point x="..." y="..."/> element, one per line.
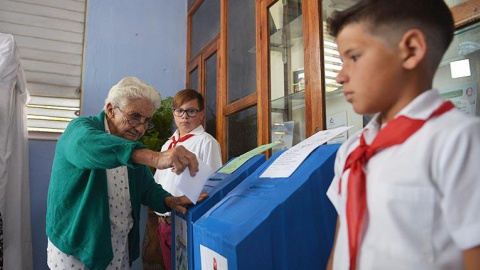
<point x="78" y="217"/>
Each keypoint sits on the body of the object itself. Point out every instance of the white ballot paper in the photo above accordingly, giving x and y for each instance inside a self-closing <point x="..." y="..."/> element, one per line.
<point x="192" y="186"/>
<point x="289" y="160"/>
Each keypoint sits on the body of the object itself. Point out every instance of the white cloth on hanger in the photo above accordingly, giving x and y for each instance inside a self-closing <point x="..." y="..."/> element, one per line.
<point x="14" y="169"/>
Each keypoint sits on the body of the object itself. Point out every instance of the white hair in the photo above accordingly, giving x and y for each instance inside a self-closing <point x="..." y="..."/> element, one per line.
<point x="132" y="88"/>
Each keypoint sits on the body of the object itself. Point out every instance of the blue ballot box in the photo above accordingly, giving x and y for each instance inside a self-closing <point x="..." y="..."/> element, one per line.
<point x="272" y="223"/>
<point x="217" y="186"/>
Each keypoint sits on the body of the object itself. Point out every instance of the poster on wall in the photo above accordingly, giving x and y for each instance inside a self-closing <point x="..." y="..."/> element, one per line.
<point x="335" y="121"/>
<point x="464" y="97"/>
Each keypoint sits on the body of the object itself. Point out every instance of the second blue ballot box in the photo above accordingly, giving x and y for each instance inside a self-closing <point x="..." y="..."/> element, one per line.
<point x="272" y="223"/>
<point x="217" y="186"/>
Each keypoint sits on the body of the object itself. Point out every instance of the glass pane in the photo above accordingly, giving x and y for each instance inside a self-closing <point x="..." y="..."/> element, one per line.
<point x="194" y="79"/>
<point x="338" y="111"/>
<point x="211" y="95"/>
<point x="242" y="132"/>
<point x="205" y="25"/>
<point x="287" y="78"/>
<point x="457" y="77"/>
<point x="241" y="49"/>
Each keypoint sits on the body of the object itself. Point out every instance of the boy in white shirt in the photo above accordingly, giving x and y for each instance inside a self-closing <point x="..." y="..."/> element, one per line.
<point x="188" y="111"/>
<point x="406" y="187"/>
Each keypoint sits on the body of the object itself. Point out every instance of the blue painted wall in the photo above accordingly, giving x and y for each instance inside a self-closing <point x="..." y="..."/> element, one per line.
<point x="40" y="162"/>
<point x="146" y="39"/>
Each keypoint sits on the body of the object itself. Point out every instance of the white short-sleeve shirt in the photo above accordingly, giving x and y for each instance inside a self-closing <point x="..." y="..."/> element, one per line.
<point x="423" y="196"/>
<point x="203" y="145"/>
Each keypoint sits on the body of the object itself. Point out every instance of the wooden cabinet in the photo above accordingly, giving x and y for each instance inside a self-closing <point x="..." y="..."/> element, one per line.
<point x="269" y="69"/>
<point x="289" y="70"/>
<point x="275" y="69"/>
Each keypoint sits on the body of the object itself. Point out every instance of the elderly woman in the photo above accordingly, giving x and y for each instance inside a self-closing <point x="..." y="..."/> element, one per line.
<point x="100" y="176"/>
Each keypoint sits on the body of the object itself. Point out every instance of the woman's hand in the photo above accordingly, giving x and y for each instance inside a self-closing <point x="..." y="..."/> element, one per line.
<point x="179" y="203"/>
<point x="178" y="158"/>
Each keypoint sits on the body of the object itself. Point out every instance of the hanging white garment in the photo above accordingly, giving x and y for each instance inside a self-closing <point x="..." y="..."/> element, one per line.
<point x="14" y="170"/>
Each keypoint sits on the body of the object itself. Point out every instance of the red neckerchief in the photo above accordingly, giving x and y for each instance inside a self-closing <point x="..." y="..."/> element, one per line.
<point x="396" y="132"/>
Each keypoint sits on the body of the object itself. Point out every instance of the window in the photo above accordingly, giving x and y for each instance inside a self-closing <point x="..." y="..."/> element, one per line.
<point x="50" y="36"/>
<point x="202" y="61"/>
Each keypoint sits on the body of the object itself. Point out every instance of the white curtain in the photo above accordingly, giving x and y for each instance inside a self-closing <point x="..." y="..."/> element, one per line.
<point x="14" y="170"/>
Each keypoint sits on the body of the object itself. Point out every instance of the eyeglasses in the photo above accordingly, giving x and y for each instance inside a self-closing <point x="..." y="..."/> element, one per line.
<point x="135" y="119"/>
<point x="191" y="112"/>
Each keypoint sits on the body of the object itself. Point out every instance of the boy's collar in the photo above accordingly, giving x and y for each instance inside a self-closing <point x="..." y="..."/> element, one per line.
<point x="196" y="131"/>
<point x="419" y="108"/>
<point x="423" y="105"/>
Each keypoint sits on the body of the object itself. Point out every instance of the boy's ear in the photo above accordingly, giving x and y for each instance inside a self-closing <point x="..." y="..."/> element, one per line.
<point x="413" y="48"/>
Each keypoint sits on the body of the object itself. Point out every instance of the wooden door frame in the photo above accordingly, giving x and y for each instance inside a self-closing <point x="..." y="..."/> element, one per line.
<point x="198" y="61"/>
<point x="314" y="63"/>
<point x="223" y="105"/>
<point x="222" y="81"/>
<point x="466" y="13"/>
<point x="313" y="66"/>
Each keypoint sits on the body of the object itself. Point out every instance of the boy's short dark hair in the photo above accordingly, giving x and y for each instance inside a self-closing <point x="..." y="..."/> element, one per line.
<point x="186" y="95"/>
<point x="432" y="17"/>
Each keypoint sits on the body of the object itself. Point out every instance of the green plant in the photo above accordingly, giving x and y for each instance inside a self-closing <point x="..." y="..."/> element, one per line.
<point x="162" y="119"/>
<point x="153" y="139"/>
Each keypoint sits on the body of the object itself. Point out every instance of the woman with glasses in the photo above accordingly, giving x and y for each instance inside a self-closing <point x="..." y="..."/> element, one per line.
<point x="188" y="111"/>
<point x="100" y="178"/>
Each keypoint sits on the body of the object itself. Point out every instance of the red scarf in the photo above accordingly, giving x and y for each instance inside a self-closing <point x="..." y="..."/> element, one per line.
<point x="396" y="132"/>
<point x="174" y="141"/>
